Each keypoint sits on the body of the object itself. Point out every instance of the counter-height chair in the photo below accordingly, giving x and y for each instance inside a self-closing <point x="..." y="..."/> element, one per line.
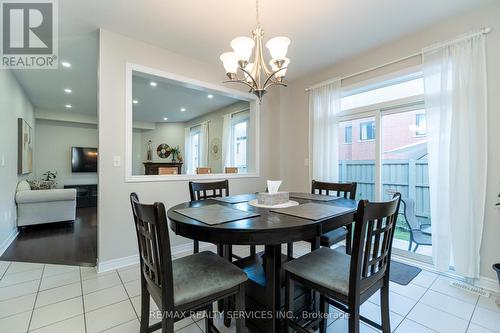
<point x="346" y="190"/>
<point x="203" y="171"/>
<point x="210" y="190"/>
<point x="168" y="171"/>
<point x="191" y="283"/>
<point x="347" y="281"/>
<point x="230" y="170"/>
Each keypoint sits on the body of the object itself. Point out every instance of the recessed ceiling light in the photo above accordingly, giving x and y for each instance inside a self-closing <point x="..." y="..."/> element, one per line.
<point x="68" y="106"/>
<point x="68" y="91"/>
<point x="153" y="84"/>
<point x="135" y="101"/>
<point x="210" y="96"/>
<point x="183" y="109"/>
<point x="165" y="118"/>
<point x="66" y="64"/>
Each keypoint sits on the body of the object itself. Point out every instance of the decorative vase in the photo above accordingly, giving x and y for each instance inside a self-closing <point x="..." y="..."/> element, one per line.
<point x="149" y="150"/>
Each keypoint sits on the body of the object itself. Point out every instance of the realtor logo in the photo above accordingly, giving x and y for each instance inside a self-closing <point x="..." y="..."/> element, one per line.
<point x="29" y="34"/>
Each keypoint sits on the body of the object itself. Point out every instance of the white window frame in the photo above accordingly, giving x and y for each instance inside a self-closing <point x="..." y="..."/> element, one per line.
<point x="345" y="141"/>
<point x="361" y="131"/>
<point x="195" y="131"/>
<point x="377" y="111"/>
<point x="417" y="134"/>
<point x="234" y="121"/>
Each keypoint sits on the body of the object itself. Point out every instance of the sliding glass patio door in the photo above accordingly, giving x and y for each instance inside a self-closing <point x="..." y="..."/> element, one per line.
<point x="383" y="147"/>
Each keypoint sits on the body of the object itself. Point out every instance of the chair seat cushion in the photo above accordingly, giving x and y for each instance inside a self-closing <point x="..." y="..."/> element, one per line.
<point x="203" y="274"/>
<point x="333" y="237"/>
<point x="422" y="238"/>
<point x="325" y="267"/>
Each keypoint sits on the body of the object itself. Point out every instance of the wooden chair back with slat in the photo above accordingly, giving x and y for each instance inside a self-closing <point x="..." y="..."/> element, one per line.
<point x="203" y="171"/>
<point x="154" y="250"/>
<point x="346" y="190"/>
<point x="202" y="191"/>
<point x="231" y="170"/>
<point x="168" y="171"/>
<point x="374" y="227"/>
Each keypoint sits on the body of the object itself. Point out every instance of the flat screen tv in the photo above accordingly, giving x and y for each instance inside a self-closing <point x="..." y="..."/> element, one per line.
<point x="83" y="159"/>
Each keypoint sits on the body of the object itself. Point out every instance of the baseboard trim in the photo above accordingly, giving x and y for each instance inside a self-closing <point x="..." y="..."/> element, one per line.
<point x="109" y="265"/>
<point x="481" y="282"/>
<point x="6" y="243"/>
<point x="488" y="284"/>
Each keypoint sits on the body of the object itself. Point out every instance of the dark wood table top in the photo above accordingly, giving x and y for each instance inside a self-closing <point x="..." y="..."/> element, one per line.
<point x="268" y="228"/>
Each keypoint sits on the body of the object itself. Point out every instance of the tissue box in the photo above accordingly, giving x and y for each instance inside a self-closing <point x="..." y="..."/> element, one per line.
<point x="272" y="199"/>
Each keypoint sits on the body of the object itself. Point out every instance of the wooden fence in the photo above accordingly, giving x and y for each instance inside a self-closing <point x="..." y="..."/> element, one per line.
<point x="409" y="177"/>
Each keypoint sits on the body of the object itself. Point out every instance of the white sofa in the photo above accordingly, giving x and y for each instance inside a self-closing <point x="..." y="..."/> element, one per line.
<point x="44" y="206"/>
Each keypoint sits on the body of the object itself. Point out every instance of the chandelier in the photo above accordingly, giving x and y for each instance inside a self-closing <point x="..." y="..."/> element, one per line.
<point x="257" y="75"/>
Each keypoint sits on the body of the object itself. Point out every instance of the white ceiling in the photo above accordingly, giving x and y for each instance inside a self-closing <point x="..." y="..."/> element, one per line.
<point x="322" y="32"/>
<point x="168" y="98"/>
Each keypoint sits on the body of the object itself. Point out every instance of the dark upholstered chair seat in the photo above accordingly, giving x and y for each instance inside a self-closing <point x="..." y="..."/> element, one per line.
<point x="333" y="237"/>
<point x="422" y="238"/>
<point x="203" y="274"/>
<point x="325" y="267"/>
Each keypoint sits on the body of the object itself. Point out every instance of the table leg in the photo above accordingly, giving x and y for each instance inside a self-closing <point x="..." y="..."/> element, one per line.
<point x="228" y="255"/>
<point x="273" y="278"/>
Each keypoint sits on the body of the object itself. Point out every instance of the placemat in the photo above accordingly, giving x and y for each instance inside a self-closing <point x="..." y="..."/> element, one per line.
<point x="234" y="199"/>
<point x="311" y="196"/>
<point x="312" y="211"/>
<point x="215" y="214"/>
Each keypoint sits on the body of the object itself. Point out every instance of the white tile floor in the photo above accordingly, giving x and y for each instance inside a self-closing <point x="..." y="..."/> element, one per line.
<point x="55" y="298"/>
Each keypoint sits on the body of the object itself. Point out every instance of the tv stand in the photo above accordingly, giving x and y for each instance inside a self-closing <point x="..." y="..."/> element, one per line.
<point x="86" y="195"/>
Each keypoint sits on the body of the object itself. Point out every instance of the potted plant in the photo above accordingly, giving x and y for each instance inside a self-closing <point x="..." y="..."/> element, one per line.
<point x="175" y="151"/>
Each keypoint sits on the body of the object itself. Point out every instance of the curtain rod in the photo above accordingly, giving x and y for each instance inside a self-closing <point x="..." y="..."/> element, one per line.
<point x="486" y="30"/>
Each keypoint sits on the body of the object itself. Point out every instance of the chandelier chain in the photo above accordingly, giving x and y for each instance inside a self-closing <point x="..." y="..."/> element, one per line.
<point x="257" y="15"/>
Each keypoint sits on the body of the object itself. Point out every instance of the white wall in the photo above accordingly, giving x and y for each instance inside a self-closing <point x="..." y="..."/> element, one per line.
<point x="170" y="133"/>
<point x="14" y="104"/>
<point x="116" y="236"/>
<point x="53" y="142"/>
<point x="215" y="119"/>
<point x="294" y="108"/>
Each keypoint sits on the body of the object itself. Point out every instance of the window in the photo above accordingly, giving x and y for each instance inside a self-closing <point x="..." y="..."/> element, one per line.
<point x="348" y="134"/>
<point x="385" y="93"/>
<point x="195" y="149"/>
<point x="239" y="144"/>
<point x="421" y="128"/>
<point x="367" y="131"/>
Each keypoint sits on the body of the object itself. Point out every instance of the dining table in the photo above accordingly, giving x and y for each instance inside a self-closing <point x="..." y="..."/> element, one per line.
<point x="267" y="227"/>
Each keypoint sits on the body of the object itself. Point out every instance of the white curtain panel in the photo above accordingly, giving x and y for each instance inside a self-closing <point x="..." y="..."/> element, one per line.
<point x="226" y="140"/>
<point x="204" y="144"/>
<point x="188" y="159"/>
<point x="456" y="111"/>
<point x="324" y="107"/>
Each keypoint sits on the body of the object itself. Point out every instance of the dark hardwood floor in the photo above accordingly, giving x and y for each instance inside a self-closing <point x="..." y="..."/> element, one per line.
<point x="58" y="243"/>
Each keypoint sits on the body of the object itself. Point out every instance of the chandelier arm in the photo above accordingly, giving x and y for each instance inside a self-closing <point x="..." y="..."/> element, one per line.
<point x="250" y="76"/>
<point x="275" y="83"/>
<point x="273" y="75"/>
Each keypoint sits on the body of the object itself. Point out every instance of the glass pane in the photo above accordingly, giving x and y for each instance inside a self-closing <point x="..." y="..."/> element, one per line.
<point x="240" y="146"/>
<point x="404" y="170"/>
<point x="396" y="91"/>
<point x="357" y="156"/>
